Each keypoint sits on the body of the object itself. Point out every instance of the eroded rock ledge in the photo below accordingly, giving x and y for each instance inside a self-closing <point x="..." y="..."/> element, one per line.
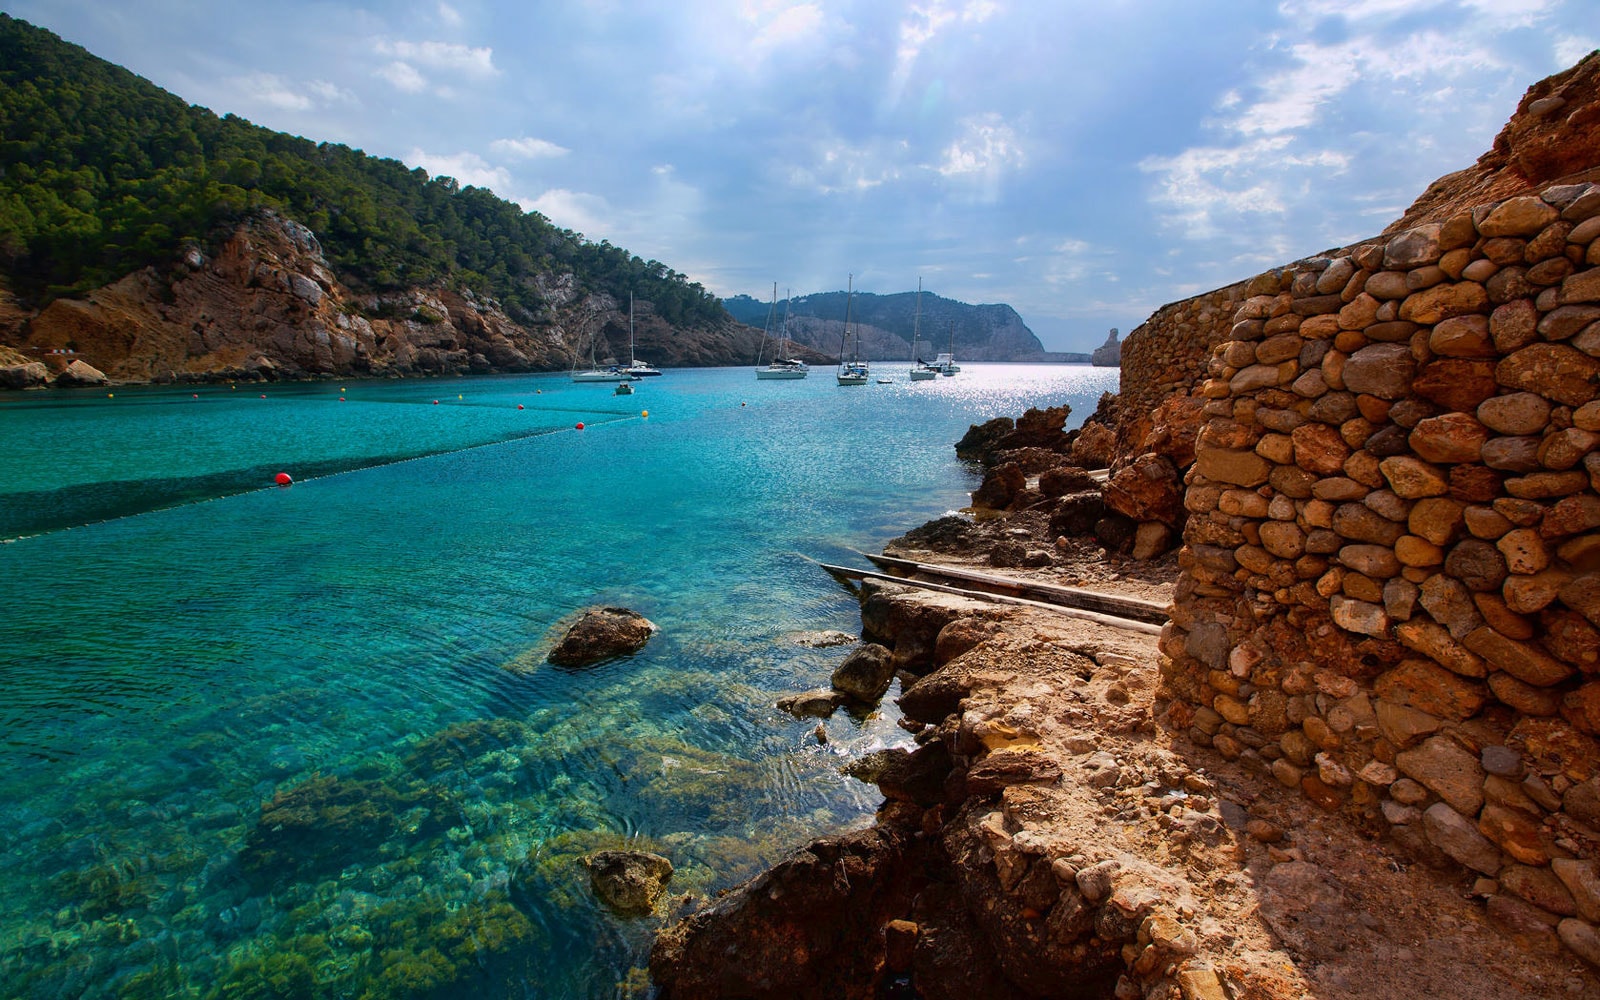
<point x="1045" y="836"/>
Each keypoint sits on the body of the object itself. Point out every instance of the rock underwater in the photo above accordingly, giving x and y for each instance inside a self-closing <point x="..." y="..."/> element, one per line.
<point x="629" y="882"/>
<point x="602" y="634"/>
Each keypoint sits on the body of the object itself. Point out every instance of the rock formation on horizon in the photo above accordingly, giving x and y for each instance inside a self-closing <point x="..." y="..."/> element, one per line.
<point x="1109" y="354"/>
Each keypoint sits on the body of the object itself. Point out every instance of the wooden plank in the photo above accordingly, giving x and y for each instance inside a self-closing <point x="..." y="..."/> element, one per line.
<point x="1113" y="604"/>
<point x="1114" y="621"/>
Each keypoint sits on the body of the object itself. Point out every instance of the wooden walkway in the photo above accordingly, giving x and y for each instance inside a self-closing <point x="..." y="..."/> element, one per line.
<point x="1128" y="613"/>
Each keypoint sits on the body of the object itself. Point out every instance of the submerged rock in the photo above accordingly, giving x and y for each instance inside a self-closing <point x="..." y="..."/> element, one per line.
<point x="818" y="703"/>
<point x="824" y="639"/>
<point x="629" y="882"/>
<point x="602" y="634"/>
<point x="328" y="821"/>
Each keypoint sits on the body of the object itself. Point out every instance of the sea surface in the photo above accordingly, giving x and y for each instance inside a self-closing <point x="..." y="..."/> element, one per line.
<point x="302" y="742"/>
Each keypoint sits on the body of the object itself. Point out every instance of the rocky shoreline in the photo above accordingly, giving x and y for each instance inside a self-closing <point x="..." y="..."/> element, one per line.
<point x="1052" y="834"/>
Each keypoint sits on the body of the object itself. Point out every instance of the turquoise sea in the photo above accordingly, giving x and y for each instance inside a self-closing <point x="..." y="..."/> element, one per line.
<point x="301" y="742"/>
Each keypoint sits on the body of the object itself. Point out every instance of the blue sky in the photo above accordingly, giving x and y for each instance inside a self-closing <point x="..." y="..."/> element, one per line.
<point x="1085" y="162"/>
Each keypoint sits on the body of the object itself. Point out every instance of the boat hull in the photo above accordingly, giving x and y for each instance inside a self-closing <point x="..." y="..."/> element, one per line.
<point x="781" y="374"/>
<point x="923" y="375"/>
<point x="601" y="377"/>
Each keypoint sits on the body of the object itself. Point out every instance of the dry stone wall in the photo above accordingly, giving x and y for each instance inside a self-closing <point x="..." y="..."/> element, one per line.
<point x="1391" y="556"/>
<point x="1167" y="354"/>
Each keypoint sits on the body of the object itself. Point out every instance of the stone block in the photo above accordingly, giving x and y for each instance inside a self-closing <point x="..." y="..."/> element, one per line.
<point x="1451" y="437"/>
<point x="1448" y="770"/>
<point x="1526" y="662"/>
<point x="1555" y="371"/>
<point x="1425" y="685"/>
<point x="1413" y="478"/>
<point x="1458" y="837"/>
<point x="1382" y="370"/>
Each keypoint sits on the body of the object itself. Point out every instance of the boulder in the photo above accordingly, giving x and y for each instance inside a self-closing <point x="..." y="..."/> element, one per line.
<point x="629" y="882"/>
<point x="24" y="376"/>
<point x="865" y="674"/>
<point x="1000" y="486"/>
<point x="602" y="634"/>
<point x="817" y="703"/>
<point x="1150" y="488"/>
<point x="1065" y="479"/>
<point x="81" y="373"/>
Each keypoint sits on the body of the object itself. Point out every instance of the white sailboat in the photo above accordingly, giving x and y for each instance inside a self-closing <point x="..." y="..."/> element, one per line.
<point x="920" y="371"/>
<point x="853" y="371"/>
<point x="779" y="368"/>
<point x="637" y="367"/>
<point x="945" y="363"/>
<point x="611" y="373"/>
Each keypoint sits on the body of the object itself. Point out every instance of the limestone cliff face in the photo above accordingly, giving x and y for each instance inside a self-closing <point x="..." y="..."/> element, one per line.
<point x="267" y="305"/>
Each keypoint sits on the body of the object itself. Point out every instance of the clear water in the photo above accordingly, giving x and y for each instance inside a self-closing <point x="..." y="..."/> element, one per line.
<point x="302" y="742"/>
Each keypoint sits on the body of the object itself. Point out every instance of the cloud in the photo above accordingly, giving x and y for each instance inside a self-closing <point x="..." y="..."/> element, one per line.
<point x="284" y="95"/>
<point x="1570" y="48"/>
<point x="789" y="25"/>
<point x="987" y="148"/>
<point x="273" y="91"/>
<point x="841" y="166"/>
<point x="1205" y="182"/>
<point x="449" y="57"/>
<point x="449" y="15"/>
<point x="403" y="76"/>
<point x="527" y="148"/>
<point x="469" y="169"/>
<point x="1291" y="99"/>
<point x="1502" y="14"/>
<point x="921" y="26"/>
<point x="329" y="93"/>
<point x="583" y="213"/>
<point x="1070" y="260"/>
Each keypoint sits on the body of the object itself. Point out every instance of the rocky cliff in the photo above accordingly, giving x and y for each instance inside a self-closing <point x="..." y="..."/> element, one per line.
<point x="266" y="304"/>
<point x="992" y="332"/>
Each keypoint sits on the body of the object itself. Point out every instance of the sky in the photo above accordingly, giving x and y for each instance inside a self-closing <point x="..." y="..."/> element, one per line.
<point x="1084" y="161"/>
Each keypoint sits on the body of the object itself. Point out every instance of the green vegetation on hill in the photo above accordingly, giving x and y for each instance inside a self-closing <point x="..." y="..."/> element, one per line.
<point x="102" y="172"/>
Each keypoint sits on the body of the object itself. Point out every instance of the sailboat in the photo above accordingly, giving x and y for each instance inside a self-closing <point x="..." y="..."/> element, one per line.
<point x="784" y="368"/>
<point x="611" y="373"/>
<point x="945" y="363"/>
<point x="636" y="367"/>
<point x="853" y="371"/>
<point x="920" y="371"/>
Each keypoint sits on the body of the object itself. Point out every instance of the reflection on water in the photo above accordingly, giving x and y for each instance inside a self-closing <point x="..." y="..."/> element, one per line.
<point x="301" y="742"/>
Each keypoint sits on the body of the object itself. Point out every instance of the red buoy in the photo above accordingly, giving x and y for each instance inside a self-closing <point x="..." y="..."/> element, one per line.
<point x="519" y="406"/>
<point x="436" y="402"/>
<point x="194" y="395"/>
<point x="263" y="395"/>
<point x="580" y="425"/>
<point x="283" y="479"/>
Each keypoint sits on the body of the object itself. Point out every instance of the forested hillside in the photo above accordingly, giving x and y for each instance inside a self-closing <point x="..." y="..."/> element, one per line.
<point x="103" y="173"/>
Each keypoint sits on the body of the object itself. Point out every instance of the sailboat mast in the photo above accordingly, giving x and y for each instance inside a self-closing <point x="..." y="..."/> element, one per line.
<point x="849" y="293"/>
<point x="630" y="330"/>
<point x="916" y="322"/>
<point x="772" y="311"/>
<point x="783" y="337"/>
